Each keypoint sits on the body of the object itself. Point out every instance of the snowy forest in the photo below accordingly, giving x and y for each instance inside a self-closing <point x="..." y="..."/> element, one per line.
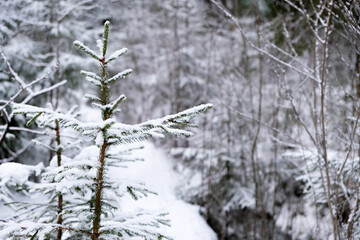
<point x="180" y="119"/>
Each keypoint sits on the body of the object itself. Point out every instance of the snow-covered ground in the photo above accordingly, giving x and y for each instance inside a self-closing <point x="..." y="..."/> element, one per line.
<point x="157" y="172"/>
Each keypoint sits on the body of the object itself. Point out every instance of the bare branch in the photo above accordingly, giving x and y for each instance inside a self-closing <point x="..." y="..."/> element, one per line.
<point x="240" y="29"/>
<point x="22" y="84"/>
<point x="15" y="155"/>
<point x="68" y="11"/>
<point x="7" y="125"/>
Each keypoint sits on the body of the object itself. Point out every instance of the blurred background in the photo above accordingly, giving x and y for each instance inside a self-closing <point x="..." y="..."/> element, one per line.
<point x="278" y="155"/>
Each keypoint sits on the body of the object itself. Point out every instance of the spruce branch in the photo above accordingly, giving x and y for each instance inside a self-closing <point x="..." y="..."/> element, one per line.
<point x="120" y="75"/>
<point x="105" y="38"/>
<point x="116" y="55"/>
<point x="91" y="75"/>
<point x="86" y="50"/>
<point x="32" y="120"/>
<point x="93" y="98"/>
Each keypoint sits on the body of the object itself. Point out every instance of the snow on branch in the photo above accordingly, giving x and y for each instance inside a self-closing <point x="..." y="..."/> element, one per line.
<point x="31" y="230"/>
<point x="105" y="38"/>
<point x="14" y="178"/>
<point x="142" y="225"/>
<point x="120" y="75"/>
<point x="92" y="97"/>
<point x="123" y="133"/>
<point x="92" y="77"/>
<point x="24" y="86"/>
<point x="46" y="116"/>
<point x="12" y="72"/>
<point x="117" y="54"/>
<point x="42" y="91"/>
<point x="111" y="107"/>
<point x="87" y="50"/>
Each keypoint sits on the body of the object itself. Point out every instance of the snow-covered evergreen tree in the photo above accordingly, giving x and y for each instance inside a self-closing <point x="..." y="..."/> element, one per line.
<point x="89" y="195"/>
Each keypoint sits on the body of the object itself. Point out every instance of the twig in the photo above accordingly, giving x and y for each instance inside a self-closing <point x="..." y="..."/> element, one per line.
<point x="21" y="83"/>
<point x="238" y="26"/>
<point x="7" y="125"/>
<point x="17" y="154"/>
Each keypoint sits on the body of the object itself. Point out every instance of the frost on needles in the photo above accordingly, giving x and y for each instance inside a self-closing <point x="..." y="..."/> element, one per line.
<point x="89" y="196"/>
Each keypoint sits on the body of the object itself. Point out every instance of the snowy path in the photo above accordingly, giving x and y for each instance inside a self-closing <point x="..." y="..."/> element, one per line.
<point x="156" y="171"/>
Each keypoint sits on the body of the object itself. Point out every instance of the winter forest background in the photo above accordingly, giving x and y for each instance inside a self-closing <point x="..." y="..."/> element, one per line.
<point x="276" y="157"/>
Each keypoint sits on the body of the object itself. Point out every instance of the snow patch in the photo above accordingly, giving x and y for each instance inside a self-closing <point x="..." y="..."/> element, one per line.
<point x="157" y="172"/>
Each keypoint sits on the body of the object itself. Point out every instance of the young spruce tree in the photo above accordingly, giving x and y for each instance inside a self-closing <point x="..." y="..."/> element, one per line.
<point x="89" y="195"/>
